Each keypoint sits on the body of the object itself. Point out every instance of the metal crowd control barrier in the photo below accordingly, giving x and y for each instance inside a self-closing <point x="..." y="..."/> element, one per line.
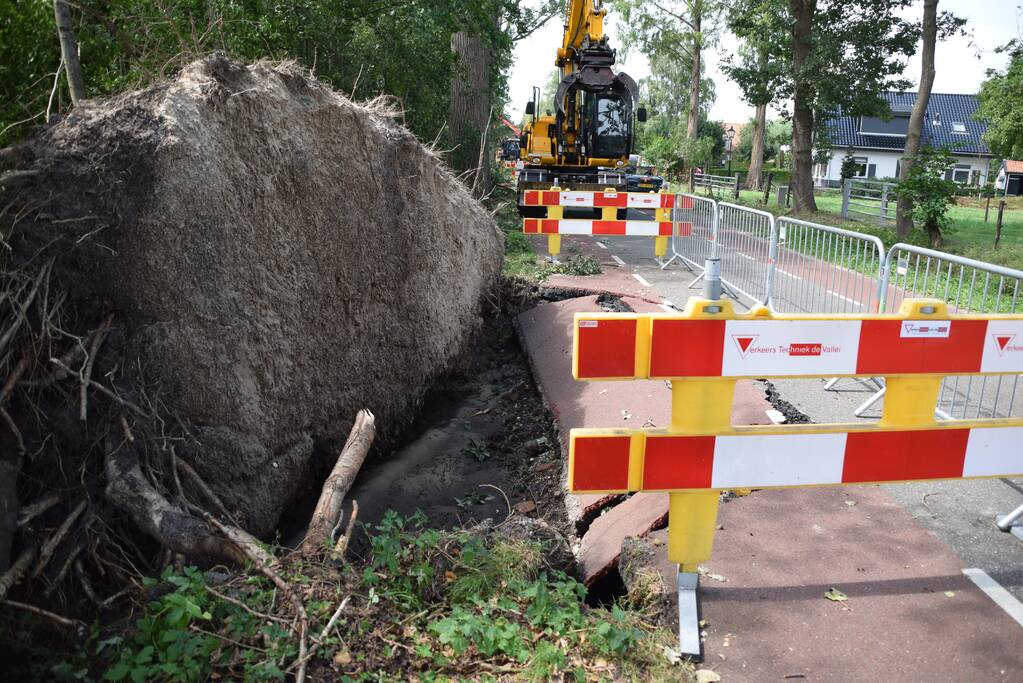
<point x="693" y="243"/>
<point x="821" y="269"/>
<point x="968" y="286"/>
<point x="707" y="348"/>
<point x="660" y="226"/>
<point x="747" y="243"/>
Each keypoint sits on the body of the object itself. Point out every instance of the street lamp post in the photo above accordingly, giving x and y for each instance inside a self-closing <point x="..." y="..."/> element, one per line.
<point x="729" y="136"/>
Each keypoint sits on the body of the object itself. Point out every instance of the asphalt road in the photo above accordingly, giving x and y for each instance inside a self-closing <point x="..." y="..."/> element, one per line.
<point x="960" y="513"/>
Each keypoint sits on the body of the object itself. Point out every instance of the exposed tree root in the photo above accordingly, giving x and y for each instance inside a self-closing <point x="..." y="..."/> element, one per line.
<point x="175" y="528"/>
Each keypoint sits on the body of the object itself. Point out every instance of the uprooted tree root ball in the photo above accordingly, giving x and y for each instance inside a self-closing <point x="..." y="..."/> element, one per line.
<point x="201" y="283"/>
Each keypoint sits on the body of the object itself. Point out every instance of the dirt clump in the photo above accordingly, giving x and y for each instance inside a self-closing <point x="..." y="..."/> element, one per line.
<point x="211" y="277"/>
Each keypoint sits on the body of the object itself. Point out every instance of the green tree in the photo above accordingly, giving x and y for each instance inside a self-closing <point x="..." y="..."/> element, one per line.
<point x="838" y="56"/>
<point x="928" y="190"/>
<point x="757" y="70"/>
<point x="1001" y="105"/>
<point x="677" y="31"/>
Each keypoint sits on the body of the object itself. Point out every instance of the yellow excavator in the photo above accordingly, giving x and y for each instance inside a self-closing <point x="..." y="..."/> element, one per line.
<point x="586" y="143"/>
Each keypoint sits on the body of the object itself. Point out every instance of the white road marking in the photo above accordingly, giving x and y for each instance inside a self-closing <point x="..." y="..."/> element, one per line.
<point x="668" y="308"/>
<point x="788" y="274"/>
<point x="775" y="416"/>
<point x="739" y="253"/>
<point x="601" y="245"/>
<point x="993" y="590"/>
<point x="844" y="298"/>
<point x="621" y="263"/>
<point x="641" y="279"/>
<point x="666" y="302"/>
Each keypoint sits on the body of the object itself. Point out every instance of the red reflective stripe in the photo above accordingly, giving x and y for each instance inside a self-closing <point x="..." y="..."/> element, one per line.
<point x="606" y="349"/>
<point x="883" y="351"/>
<point x="529" y="225"/>
<point x="549" y="226"/>
<point x="531" y="198"/>
<point x="620" y="199"/>
<point x="667" y="201"/>
<point x="685" y="202"/>
<point x="685" y="229"/>
<point x="608" y="227"/>
<point x="551" y="199"/>
<point x="686" y="348"/>
<point x="678" y="462"/>
<point x="600" y="463"/>
<point x="664" y="228"/>
<point x="897" y="456"/>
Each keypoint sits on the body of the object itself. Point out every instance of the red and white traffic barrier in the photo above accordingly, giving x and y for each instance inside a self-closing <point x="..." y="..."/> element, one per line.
<point x="791" y="348"/>
<point x="600" y="462"/>
<point x="571" y="226"/>
<point x="622" y="200"/>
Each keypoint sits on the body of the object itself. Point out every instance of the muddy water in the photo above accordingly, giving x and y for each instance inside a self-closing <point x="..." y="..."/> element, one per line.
<point x="438" y="468"/>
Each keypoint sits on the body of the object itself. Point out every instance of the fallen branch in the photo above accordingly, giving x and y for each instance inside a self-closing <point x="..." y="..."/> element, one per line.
<point x="302" y="662"/>
<point x="202" y="486"/>
<point x="52" y="616"/>
<point x="83" y="392"/>
<point x="264" y="567"/>
<point x="329" y="507"/>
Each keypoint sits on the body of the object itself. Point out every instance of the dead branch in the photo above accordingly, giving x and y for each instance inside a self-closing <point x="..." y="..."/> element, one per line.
<point x="302" y="662"/>
<point x="175" y="528"/>
<point x="52" y="616"/>
<point x="342" y="544"/>
<point x="17" y="570"/>
<point x="328" y="508"/>
<point x="241" y="603"/>
<point x="30" y="512"/>
<point x="53" y="541"/>
<point x="259" y="560"/>
<point x="13" y="379"/>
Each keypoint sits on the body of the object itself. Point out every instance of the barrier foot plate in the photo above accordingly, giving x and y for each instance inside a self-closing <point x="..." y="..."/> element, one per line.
<point x="689" y="641"/>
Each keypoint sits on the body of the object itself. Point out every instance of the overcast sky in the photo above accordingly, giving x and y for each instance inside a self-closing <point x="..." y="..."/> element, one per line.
<point x="960" y="62"/>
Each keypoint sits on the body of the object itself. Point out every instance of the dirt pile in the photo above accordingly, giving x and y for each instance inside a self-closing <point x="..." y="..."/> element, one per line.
<point x="231" y="265"/>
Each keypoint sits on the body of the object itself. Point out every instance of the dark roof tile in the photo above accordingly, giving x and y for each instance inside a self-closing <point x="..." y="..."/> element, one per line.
<point x="949" y="109"/>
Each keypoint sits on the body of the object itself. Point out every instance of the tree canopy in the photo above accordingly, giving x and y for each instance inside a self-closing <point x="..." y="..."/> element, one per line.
<point x="366" y="47"/>
<point x="1001" y="106"/>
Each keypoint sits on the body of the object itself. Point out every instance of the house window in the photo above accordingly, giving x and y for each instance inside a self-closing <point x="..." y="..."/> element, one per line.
<point x="861" y="167"/>
<point x="960" y="173"/>
<point x="958" y="127"/>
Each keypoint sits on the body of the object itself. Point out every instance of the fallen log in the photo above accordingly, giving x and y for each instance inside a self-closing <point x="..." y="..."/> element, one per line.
<point x="328" y="508"/>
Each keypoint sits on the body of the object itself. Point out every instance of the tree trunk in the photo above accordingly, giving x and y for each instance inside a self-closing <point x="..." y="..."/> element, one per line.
<point x="470" y="111"/>
<point x="803" y="12"/>
<point x="904" y="210"/>
<point x="756" y="160"/>
<point x="693" y="124"/>
<point x="69" y="50"/>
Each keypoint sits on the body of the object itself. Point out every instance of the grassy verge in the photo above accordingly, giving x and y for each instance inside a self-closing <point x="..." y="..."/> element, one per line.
<point x="520" y="260"/>
<point x="424" y="605"/>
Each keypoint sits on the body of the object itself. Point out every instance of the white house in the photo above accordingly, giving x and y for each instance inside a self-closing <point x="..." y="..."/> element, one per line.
<point x="878" y="145"/>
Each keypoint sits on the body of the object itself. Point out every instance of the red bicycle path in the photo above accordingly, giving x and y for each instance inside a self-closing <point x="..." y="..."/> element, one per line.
<point x="780" y="551"/>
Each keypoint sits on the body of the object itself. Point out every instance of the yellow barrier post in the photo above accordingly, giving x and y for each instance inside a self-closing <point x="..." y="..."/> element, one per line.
<point x="661" y="243"/>
<point x="554" y="213"/>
